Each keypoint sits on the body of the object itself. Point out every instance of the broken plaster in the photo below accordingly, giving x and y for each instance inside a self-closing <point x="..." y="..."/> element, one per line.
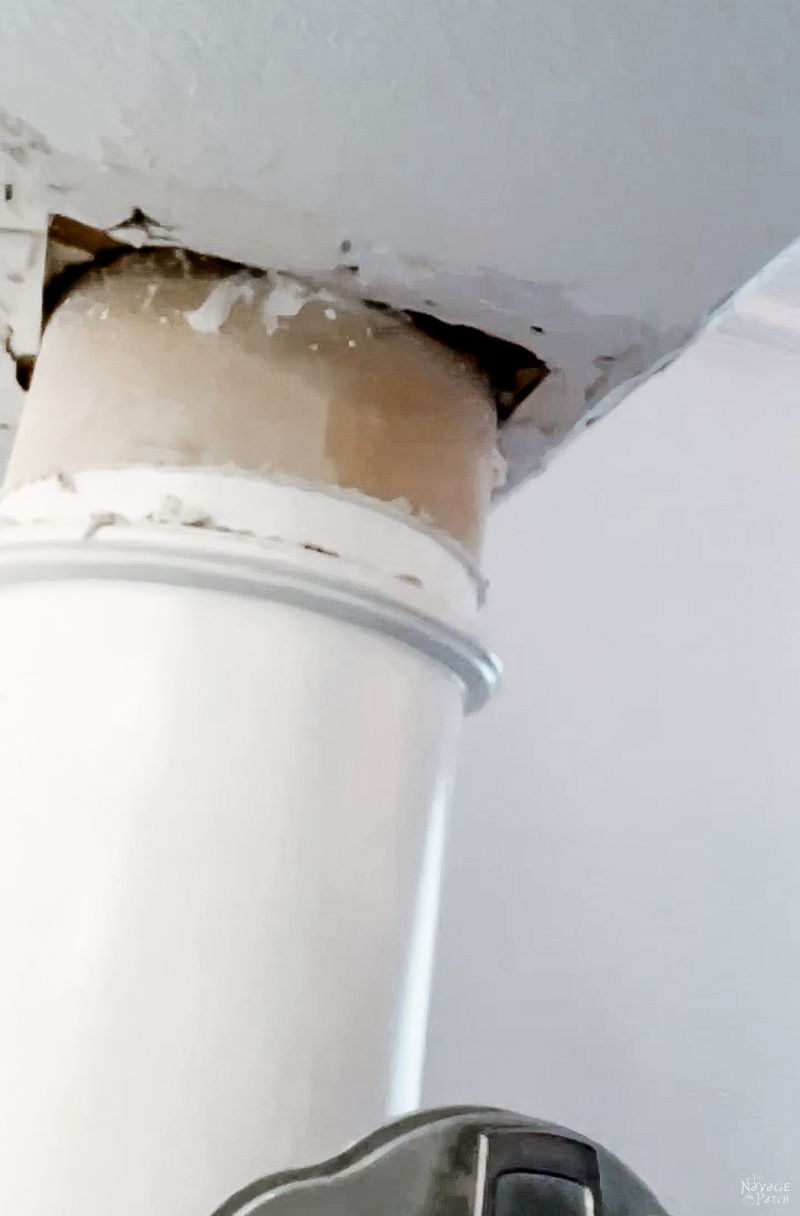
<point x="593" y="359"/>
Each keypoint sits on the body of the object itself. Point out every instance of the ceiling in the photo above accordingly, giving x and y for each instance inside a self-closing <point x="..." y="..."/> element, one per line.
<point x="603" y="172"/>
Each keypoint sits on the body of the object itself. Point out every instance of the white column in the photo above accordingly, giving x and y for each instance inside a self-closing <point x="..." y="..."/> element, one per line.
<point x="229" y="713"/>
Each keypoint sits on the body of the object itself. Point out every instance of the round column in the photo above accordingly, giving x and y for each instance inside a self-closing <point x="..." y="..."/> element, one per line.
<point x="236" y="636"/>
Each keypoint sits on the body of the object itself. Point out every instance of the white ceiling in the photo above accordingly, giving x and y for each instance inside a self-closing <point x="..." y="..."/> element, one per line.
<point x="604" y="170"/>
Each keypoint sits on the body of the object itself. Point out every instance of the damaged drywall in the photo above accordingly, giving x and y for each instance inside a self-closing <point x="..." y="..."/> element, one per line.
<point x="587" y="356"/>
<point x="589" y="180"/>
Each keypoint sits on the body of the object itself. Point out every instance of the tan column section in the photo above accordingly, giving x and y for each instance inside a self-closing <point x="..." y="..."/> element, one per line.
<point x="165" y="359"/>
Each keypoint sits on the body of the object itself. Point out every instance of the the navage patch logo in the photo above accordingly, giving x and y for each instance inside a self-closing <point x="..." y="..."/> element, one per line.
<point x="757" y="1191"/>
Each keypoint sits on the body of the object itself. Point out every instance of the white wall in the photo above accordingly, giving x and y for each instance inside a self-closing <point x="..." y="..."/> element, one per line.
<point x="621" y="928"/>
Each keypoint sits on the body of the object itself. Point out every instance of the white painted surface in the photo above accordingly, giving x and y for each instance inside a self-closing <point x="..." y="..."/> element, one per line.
<point x="591" y="146"/>
<point x="604" y="172"/>
<point x="229" y="732"/>
<point x="377" y="544"/>
<point x="230" y="710"/>
<point x="620" y="924"/>
<point x="213" y="925"/>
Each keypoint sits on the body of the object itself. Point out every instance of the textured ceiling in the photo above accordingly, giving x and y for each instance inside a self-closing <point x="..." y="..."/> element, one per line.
<point x="604" y="171"/>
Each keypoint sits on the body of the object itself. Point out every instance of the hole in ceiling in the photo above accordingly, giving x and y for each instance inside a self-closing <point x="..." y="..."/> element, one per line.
<point x="514" y="372"/>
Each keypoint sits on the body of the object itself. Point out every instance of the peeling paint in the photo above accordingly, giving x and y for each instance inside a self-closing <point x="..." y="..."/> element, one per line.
<point x="214" y="312"/>
<point x="174" y="510"/>
<point x="284" y="298"/>
<point x="66" y="481"/>
<point x="294" y="246"/>
<point x="105" y="519"/>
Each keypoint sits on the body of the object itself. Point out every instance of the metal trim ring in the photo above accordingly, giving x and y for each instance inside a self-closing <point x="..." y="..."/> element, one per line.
<point x="253" y="573"/>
